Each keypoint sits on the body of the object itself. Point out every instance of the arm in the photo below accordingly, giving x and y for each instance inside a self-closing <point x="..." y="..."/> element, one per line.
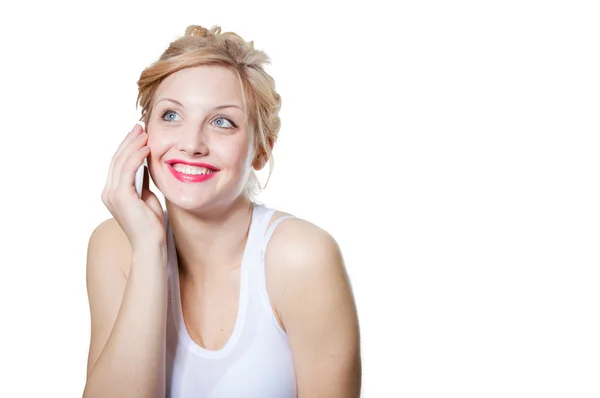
<point x="314" y="301"/>
<point x="127" y="295"/>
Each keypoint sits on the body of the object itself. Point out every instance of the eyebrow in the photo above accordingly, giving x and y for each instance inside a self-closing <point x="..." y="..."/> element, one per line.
<point x="216" y="107"/>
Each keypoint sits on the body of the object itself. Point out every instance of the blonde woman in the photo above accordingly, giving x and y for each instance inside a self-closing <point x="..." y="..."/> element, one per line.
<point x="217" y="295"/>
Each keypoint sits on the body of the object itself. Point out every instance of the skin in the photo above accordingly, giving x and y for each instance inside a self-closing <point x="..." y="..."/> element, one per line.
<point x="306" y="277"/>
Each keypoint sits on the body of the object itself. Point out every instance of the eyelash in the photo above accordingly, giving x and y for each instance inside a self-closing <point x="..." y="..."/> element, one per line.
<point x="167" y="110"/>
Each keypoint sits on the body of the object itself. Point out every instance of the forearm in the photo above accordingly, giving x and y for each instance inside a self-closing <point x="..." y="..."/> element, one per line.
<point x="132" y="363"/>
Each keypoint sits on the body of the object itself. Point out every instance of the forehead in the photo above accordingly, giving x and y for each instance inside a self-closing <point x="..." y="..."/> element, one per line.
<point x="202" y="85"/>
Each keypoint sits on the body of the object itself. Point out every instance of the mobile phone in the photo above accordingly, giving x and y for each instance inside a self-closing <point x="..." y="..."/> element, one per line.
<point x="139" y="174"/>
<point x="139" y="178"/>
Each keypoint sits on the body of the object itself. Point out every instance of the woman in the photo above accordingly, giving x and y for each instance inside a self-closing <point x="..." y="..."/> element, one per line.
<point x="218" y="296"/>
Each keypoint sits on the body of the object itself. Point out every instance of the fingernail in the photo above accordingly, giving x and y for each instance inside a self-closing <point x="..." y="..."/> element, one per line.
<point x="141" y="124"/>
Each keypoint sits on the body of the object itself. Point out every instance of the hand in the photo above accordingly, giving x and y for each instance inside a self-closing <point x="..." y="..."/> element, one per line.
<point x="142" y="219"/>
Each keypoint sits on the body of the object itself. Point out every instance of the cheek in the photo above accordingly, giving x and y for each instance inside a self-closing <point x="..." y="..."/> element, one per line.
<point x="157" y="141"/>
<point x="234" y="154"/>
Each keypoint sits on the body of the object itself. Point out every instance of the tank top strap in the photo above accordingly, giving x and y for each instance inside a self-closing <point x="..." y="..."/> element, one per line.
<point x="259" y="272"/>
<point x="269" y="232"/>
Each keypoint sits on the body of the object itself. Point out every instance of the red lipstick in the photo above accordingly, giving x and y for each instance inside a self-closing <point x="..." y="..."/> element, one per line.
<point x="191" y="177"/>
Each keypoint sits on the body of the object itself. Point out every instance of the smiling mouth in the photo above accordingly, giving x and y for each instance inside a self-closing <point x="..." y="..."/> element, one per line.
<point x="191" y="174"/>
<point x="191" y="170"/>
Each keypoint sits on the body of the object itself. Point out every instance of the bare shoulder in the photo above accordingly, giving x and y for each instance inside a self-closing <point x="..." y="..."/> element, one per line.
<point x="109" y="244"/>
<point x="107" y="269"/>
<point x="300" y="253"/>
<point x="297" y="236"/>
<point x="312" y="298"/>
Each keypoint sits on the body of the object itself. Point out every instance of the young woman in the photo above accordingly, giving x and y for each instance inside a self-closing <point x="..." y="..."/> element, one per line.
<point x="218" y="296"/>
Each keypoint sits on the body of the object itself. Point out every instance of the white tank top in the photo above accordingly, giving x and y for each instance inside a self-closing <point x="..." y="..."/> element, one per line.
<point x="256" y="361"/>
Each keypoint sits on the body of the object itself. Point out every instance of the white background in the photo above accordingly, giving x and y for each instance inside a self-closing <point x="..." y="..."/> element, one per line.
<point x="451" y="147"/>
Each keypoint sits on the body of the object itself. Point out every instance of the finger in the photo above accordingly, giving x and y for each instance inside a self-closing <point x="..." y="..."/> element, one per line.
<point x="126" y="177"/>
<point x="124" y="162"/>
<point x="133" y="133"/>
<point x="130" y="137"/>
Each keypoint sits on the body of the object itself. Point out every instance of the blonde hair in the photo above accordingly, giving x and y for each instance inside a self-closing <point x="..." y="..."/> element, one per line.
<point x="200" y="46"/>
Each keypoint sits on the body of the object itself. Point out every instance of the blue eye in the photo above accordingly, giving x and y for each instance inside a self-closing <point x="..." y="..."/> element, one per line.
<point x="170" y="115"/>
<point x="224" y="120"/>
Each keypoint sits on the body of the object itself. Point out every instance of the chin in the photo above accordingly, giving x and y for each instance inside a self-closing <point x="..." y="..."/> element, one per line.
<point x="198" y="200"/>
<point x="190" y="201"/>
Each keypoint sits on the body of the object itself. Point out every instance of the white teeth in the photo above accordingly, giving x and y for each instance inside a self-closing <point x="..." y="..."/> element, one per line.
<point x="193" y="170"/>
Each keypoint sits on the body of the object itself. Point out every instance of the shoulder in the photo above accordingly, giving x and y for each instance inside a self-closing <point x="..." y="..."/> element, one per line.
<point x="109" y="244"/>
<point x="312" y="298"/>
<point x="300" y="257"/>
<point x="107" y="270"/>
<point x="296" y="240"/>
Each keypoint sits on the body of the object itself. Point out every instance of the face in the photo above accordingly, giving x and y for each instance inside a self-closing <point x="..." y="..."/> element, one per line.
<point x="200" y="148"/>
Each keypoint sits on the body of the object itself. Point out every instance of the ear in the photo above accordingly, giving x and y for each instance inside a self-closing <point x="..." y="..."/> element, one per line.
<point x="260" y="160"/>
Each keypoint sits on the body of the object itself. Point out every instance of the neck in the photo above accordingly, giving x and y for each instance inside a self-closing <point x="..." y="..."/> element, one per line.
<point x="210" y="244"/>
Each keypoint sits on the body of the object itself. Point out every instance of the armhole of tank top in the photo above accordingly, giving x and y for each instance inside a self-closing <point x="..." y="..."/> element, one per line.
<point x="262" y="275"/>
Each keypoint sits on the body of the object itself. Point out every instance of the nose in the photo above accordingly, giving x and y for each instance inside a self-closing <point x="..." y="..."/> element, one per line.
<point x="191" y="140"/>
